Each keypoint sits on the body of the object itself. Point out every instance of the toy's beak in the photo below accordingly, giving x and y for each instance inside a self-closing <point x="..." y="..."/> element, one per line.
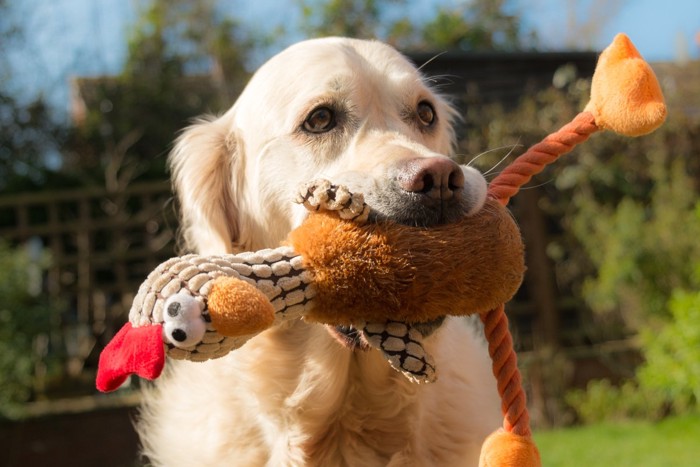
<point x="133" y="350"/>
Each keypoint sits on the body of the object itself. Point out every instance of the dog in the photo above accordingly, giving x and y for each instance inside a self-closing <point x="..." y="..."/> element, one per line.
<point x="360" y="114"/>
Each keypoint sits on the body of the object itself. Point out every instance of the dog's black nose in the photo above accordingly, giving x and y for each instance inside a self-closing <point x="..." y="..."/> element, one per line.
<point x="436" y="177"/>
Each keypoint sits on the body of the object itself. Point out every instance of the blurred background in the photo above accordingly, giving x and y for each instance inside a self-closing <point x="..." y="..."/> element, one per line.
<point x="93" y="92"/>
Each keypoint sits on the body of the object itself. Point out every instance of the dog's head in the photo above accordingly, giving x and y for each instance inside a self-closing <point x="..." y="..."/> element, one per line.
<point x="355" y="112"/>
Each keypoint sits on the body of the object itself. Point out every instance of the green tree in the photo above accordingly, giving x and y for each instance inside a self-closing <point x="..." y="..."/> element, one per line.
<point x="184" y="59"/>
<point x="472" y="25"/>
<point x="672" y="352"/>
<point x="668" y="381"/>
<point x="27" y="129"/>
<point x="352" y="18"/>
<point x="476" y="26"/>
<point x="25" y="322"/>
<point x="27" y="134"/>
<point x="634" y="217"/>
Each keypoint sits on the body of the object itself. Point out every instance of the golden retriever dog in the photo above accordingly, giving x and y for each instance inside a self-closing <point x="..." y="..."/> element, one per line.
<point x="359" y="114"/>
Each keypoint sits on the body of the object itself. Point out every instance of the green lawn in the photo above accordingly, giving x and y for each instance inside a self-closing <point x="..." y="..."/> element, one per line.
<point x="674" y="442"/>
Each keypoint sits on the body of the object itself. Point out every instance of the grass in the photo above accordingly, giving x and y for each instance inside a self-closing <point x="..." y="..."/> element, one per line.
<point x="673" y="442"/>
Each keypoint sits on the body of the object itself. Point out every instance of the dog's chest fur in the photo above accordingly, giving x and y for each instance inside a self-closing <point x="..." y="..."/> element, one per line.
<point x="295" y="397"/>
<point x="334" y="407"/>
<point x="341" y="407"/>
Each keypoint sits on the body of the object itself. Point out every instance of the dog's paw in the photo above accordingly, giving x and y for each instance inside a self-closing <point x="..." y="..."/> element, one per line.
<point x="183" y="323"/>
<point x="322" y="195"/>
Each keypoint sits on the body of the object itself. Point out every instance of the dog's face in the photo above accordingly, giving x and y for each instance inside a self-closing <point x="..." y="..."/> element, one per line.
<point x="354" y="112"/>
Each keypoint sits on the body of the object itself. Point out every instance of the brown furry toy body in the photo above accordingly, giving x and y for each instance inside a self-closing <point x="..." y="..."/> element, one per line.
<point x="375" y="272"/>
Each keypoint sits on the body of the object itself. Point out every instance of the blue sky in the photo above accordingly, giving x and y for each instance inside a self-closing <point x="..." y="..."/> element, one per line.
<point x="86" y="37"/>
<point x="657" y="27"/>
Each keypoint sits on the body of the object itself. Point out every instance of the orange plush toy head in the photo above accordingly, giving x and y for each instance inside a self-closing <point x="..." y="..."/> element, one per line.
<point x="380" y="277"/>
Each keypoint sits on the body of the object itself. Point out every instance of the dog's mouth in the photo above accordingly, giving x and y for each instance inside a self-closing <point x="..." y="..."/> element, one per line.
<point x="349" y="337"/>
<point x="400" y="343"/>
<point x="416" y="212"/>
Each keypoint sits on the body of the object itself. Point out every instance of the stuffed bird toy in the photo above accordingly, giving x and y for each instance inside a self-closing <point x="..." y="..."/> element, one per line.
<point x="390" y="282"/>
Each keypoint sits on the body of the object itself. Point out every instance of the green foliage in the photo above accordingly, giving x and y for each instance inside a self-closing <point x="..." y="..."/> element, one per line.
<point x="25" y="316"/>
<point x="637" y="219"/>
<point x="352" y="18"/>
<point x="668" y="380"/>
<point x="183" y="37"/>
<point x="184" y="59"/>
<point x="643" y="249"/>
<point x="603" y="401"/>
<point x="633" y="210"/>
<point x="475" y="26"/>
<point x="673" y="353"/>
<point x="27" y="132"/>
<point x="27" y="128"/>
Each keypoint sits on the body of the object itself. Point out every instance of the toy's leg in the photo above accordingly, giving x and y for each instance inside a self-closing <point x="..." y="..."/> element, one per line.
<point x="322" y="195"/>
<point x="402" y="346"/>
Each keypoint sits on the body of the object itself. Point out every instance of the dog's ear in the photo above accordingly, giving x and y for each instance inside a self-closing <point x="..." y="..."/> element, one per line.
<point x="204" y="165"/>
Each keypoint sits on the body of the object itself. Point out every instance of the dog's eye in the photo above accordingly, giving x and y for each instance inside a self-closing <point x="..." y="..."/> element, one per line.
<point x="426" y="113"/>
<point x="320" y="120"/>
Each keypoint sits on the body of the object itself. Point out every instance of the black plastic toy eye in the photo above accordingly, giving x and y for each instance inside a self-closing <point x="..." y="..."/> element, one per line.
<point x="179" y="335"/>
<point x="174" y="309"/>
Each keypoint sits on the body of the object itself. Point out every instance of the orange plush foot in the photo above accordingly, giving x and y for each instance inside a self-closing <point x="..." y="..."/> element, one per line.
<point x="504" y="449"/>
<point x="625" y="94"/>
<point x="238" y="308"/>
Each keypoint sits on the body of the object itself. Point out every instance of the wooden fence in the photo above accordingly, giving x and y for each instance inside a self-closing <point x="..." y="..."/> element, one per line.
<point x="101" y="245"/>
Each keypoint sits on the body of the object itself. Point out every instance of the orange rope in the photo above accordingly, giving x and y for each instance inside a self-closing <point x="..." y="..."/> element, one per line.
<point x="505" y="369"/>
<point x="505" y="363"/>
<point x="533" y="161"/>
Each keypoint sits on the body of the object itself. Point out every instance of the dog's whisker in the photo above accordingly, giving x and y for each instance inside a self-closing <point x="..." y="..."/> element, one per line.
<point x="431" y="59"/>
<point x="516" y="145"/>
<point x="437" y="81"/>
<point x="530" y="187"/>
<point x="489" y="151"/>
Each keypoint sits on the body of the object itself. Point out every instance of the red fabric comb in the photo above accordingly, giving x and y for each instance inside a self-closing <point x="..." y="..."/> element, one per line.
<point x="133" y="350"/>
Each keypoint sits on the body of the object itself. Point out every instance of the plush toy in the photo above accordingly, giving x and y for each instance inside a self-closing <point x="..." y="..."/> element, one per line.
<point x="337" y="268"/>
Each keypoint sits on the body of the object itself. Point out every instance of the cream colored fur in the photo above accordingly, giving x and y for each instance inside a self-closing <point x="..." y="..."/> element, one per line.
<point x="293" y="396"/>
